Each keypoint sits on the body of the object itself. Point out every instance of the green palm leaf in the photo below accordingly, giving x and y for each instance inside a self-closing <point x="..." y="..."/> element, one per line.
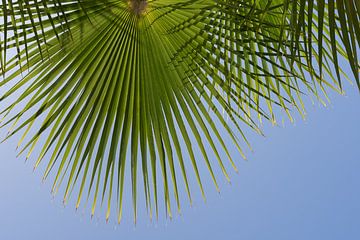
<point x="97" y="85"/>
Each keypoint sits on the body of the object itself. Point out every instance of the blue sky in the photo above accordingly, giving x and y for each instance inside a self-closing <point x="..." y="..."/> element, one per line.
<point x="301" y="182"/>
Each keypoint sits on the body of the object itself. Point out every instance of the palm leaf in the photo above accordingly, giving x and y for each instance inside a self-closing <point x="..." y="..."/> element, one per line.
<point x="97" y="85"/>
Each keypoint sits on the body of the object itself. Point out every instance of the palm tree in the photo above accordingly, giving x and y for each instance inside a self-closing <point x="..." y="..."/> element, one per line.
<point x="98" y="84"/>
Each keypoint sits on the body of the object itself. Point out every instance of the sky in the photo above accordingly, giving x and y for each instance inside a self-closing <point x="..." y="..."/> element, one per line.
<point x="301" y="182"/>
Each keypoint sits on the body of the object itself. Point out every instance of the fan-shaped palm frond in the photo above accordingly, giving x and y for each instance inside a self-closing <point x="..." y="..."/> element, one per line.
<point x="109" y="83"/>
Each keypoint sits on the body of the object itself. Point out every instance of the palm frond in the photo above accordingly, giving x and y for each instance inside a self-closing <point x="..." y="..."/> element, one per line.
<point x="110" y="83"/>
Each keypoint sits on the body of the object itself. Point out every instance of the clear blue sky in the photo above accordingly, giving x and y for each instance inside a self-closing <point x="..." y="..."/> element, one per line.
<point x="302" y="182"/>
